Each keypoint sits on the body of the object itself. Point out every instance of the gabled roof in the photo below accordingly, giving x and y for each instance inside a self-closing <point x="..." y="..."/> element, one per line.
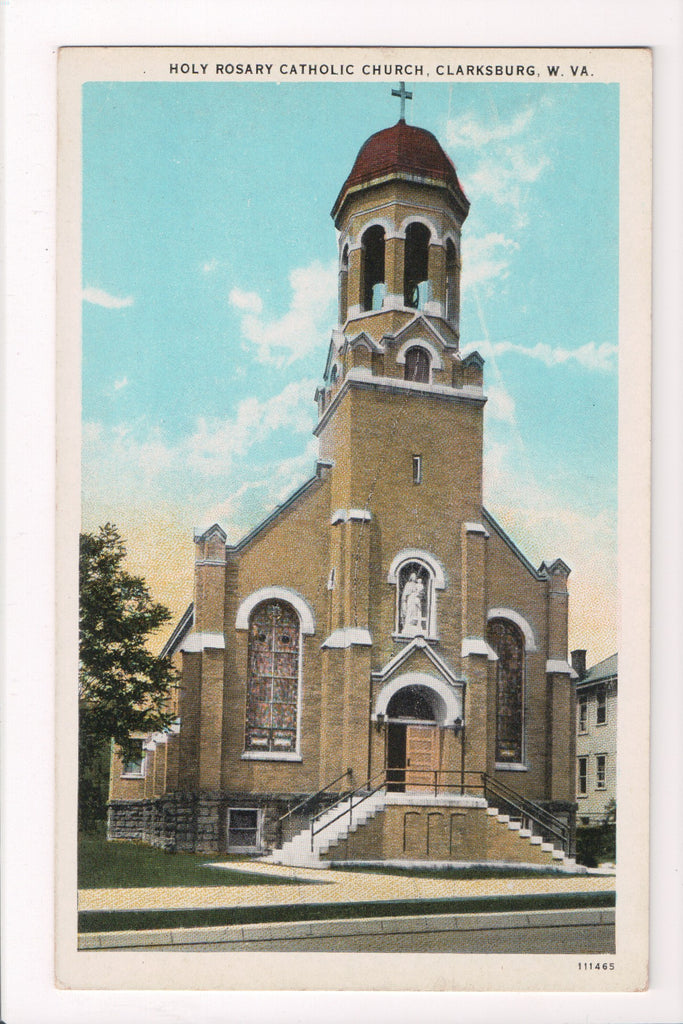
<point x="179" y="633"/>
<point x="419" y="319"/>
<point x="418" y="643"/>
<point x="497" y="528"/>
<point x="306" y="486"/>
<point x="605" y="669"/>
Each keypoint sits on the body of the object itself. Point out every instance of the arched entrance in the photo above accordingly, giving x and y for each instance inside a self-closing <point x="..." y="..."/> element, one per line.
<point x="413" y="751"/>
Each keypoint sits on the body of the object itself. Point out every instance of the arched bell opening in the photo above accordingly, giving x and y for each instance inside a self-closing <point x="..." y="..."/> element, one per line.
<point x="452" y="285"/>
<point x="373" y="280"/>
<point x="416" y="288"/>
<point x="344" y="285"/>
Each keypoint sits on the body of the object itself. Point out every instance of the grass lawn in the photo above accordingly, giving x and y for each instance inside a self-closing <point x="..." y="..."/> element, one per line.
<point x="124" y="865"/>
<point x="143" y="920"/>
<point x="470" y="871"/>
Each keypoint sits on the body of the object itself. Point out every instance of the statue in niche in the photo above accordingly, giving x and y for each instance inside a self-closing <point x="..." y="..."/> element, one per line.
<point x="411" y="605"/>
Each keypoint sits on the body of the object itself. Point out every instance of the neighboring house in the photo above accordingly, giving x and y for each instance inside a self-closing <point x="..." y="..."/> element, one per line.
<point x="596" y="738"/>
<point x="379" y="631"/>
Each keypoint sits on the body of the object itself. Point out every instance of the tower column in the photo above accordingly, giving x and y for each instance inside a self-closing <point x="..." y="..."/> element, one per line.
<point x="437" y="278"/>
<point x="394" y="251"/>
<point x="206" y="644"/>
<point x="354" y="285"/>
<point x="560" y="699"/>
<point x="478" y="660"/>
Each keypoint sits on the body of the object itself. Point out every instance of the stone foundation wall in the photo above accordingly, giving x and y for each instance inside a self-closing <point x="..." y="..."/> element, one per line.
<point x="197" y="822"/>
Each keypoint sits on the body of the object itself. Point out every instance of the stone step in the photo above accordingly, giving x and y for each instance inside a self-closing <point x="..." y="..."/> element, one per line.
<point x="514" y="826"/>
<point x="525" y="833"/>
<point x="504" y="818"/>
<point x="493" y="811"/>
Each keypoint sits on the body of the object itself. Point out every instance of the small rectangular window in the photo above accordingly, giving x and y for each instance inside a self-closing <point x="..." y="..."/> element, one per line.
<point x="243" y="828"/>
<point x="417" y="469"/>
<point x="600" y="771"/>
<point x="601" y="709"/>
<point x="583" y="714"/>
<point x="134" y="765"/>
<point x="583" y="776"/>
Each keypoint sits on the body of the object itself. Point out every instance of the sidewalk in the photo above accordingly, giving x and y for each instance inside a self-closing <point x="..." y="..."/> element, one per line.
<point x="330" y="887"/>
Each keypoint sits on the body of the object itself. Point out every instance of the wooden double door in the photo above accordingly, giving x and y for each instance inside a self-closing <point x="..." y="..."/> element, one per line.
<point x="413" y="757"/>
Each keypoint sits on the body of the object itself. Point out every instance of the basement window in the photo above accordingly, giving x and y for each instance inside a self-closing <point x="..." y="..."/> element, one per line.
<point x="243" y="828"/>
<point x="417" y="469"/>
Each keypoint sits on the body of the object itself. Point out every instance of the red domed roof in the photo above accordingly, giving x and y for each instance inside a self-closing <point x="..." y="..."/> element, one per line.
<point x="403" y="148"/>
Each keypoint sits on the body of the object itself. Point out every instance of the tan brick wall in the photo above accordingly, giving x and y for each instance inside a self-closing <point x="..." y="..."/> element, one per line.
<point x="406" y="832"/>
<point x="293" y="553"/>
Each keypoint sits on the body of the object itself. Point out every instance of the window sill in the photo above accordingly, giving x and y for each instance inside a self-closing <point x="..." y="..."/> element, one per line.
<point x="132" y="776"/>
<point x="511" y="767"/>
<point x="582" y="796"/>
<point x="404" y="638"/>
<point x="270" y="755"/>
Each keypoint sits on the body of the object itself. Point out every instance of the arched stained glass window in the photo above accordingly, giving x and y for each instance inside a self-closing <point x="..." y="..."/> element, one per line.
<point x="508" y="643"/>
<point x="273" y="683"/>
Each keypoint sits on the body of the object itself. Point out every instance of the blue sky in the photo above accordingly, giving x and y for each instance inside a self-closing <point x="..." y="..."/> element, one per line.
<point x="209" y="277"/>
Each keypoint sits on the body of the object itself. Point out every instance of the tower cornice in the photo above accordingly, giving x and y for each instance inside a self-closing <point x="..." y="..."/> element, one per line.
<point x="359" y="379"/>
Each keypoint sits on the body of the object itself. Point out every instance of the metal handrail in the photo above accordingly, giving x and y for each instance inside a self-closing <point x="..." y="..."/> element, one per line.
<point x="534" y="808"/>
<point x="531" y="810"/>
<point x="308" y="799"/>
<point x="347" y="810"/>
<point x="436" y="775"/>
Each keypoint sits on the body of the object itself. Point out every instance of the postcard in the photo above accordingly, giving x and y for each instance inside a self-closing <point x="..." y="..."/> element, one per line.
<point x="353" y="427"/>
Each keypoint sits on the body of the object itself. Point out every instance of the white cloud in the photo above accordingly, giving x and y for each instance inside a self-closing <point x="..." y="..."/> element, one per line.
<point x="300" y="330"/>
<point x="247" y="302"/>
<point x="144" y="464"/>
<point x="511" y="158"/>
<point x="486" y="258"/>
<point x="122" y="382"/>
<point x="209" y="266"/>
<point x="546" y="523"/>
<point x="500" y="404"/>
<point x="469" y="133"/>
<point x="505" y="178"/>
<point x="98" y="297"/>
<point x="590" y="356"/>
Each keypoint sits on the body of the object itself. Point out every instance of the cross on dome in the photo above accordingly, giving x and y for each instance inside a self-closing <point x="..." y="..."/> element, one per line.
<point x="403" y="95"/>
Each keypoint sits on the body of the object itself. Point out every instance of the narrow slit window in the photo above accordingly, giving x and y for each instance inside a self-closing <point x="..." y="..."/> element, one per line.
<point x="417" y="469"/>
<point x="600" y="771"/>
<point x="583" y="776"/>
<point x="601" y="707"/>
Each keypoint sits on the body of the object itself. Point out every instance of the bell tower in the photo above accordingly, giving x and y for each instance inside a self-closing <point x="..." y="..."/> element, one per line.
<point x="399" y="215"/>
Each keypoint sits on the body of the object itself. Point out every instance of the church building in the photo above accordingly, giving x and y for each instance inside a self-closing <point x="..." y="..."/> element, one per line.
<point x="375" y="671"/>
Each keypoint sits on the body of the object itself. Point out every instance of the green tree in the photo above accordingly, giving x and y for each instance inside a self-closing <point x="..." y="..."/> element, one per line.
<point x="123" y="687"/>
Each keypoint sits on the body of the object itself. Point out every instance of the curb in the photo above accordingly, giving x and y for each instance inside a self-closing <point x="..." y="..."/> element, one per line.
<point x="255" y="933"/>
